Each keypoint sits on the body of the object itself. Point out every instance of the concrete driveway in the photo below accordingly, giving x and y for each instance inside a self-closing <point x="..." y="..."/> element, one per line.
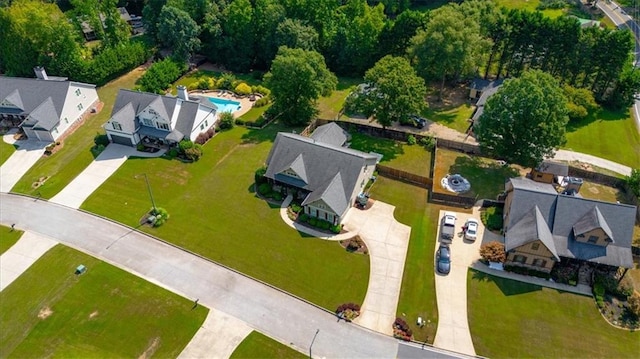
<point x="27" y="154"/>
<point x="387" y="241"/>
<point x="106" y="164"/>
<point x="451" y="290"/>
<point x="22" y="255"/>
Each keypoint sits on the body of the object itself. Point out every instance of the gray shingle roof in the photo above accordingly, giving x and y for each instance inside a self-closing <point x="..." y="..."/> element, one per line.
<point x="556" y="168"/>
<point x="488" y="88"/>
<point x="562" y="213"/>
<point x="330" y="133"/>
<point x="322" y="165"/>
<point x="126" y="117"/>
<point x="591" y="220"/>
<point x="45" y="116"/>
<point x="531" y="227"/>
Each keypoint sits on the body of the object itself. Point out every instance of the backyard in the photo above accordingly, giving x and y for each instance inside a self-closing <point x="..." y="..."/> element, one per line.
<point x="214" y="212"/>
<point x="486" y="176"/>
<point x="257" y="345"/>
<point x="8" y="237"/>
<point x="329" y="107"/>
<point x="75" y="155"/>
<point x="51" y="312"/>
<point x="540" y="322"/>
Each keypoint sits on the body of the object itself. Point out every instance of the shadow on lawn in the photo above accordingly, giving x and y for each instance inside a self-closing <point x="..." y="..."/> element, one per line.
<point x="268" y="133"/>
<point x="507" y="286"/>
<point x="389" y="149"/>
<point x="600" y="115"/>
<point x="487" y="178"/>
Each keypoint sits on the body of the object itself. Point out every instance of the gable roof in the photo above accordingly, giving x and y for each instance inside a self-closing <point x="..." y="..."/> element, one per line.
<point x="562" y="213"/>
<point x="331" y="171"/>
<point x="556" y="168"/>
<point x="331" y="134"/>
<point x="488" y="88"/>
<point x="531" y="227"/>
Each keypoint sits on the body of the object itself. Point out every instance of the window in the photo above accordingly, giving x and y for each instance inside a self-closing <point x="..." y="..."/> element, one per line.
<point x="78" y="92"/>
<point x="116" y="126"/>
<point x="539" y="262"/>
<point x="66" y="120"/>
<point x="152" y="111"/>
<point x="163" y="126"/>
<point x="147" y="122"/>
<point x="202" y="127"/>
<point x="535" y="246"/>
<point x="80" y="107"/>
<point x="519" y="259"/>
<point x="593" y="239"/>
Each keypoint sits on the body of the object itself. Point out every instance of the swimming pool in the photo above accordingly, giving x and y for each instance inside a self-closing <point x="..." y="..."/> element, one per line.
<point x="225" y="105"/>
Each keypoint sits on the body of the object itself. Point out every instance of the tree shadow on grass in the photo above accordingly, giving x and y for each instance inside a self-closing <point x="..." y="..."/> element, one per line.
<point x="389" y="149"/>
<point x="600" y="115"/>
<point x="507" y="286"/>
<point x="268" y="133"/>
<point x="487" y="178"/>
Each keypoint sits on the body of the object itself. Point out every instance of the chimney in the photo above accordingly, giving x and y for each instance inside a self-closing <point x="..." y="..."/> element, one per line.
<point x="40" y="73"/>
<point x="182" y="93"/>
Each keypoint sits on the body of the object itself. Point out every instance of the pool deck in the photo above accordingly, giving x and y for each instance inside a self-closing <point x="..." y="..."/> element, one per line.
<point x="245" y="104"/>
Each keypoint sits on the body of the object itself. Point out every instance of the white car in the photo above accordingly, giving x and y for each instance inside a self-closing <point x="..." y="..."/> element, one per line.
<point x="471" y="229"/>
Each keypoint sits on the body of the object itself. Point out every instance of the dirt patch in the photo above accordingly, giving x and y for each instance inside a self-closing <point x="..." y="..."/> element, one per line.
<point x="93" y="315"/>
<point x="153" y="346"/>
<point x="45" y="313"/>
<point x="39" y="182"/>
<point x="452" y="96"/>
<point x="594" y="190"/>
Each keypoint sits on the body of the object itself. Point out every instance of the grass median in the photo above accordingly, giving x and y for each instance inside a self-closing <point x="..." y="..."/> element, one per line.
<point x="258" y="346"/>
<point x="8" y="237"/>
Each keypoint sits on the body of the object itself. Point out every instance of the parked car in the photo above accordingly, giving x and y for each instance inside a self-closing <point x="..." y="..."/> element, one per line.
<point x="443" y="259"/>
<point x="414" y="121"/>
<point x="471" y="229"/>
<point x="447" y="226"/>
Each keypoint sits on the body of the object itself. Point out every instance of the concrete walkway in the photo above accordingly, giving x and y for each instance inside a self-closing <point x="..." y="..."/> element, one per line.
<point x="387" y="241"/>
<point x="218" y="337"/>
<point x="22" y="255"/>
<point x="27" y="154"/>
<point x="564" y="155"/>
<point x="106" y="164"/>
<point x="264" y="308"/>
<point x="451" y="290"/>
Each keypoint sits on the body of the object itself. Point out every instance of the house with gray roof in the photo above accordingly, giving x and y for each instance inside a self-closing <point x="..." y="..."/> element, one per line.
<point x="45" y="107"/>
<point x="542" y="226"/>
<point x="482" y="89"/>
<point x="157" y="120"/>
<point x="325" y="176"/>
<point x="550" y="172"/>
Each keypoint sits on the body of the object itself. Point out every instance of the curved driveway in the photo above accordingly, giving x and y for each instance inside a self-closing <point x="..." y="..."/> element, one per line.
<point x="266" y="309"/>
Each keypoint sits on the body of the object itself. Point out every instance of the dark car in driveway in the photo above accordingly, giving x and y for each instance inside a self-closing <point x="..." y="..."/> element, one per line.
<point x="443" y="259"/>
<point x="414" y="121"/>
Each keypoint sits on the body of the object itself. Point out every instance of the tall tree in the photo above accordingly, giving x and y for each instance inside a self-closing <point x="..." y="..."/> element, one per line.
<point x="524" y="122"/>
<point x="297" y="79"/>
<point x="294" y="34"/>
<point x="150" y="13"/>
<point x="237" y="39"/>
<point x="116" y="30"/>
<point x="396" y="36"/>
<point x="450" y="46"/>
<point x="268" y="14"/>
<point x="177" y="31"/>
<point x="396" y="90"/>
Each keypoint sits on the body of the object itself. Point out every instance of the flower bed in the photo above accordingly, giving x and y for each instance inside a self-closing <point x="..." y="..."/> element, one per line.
<point x="348" y="311"/>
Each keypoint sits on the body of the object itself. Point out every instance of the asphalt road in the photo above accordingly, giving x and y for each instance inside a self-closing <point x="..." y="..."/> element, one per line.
<point x="262" y="307"/>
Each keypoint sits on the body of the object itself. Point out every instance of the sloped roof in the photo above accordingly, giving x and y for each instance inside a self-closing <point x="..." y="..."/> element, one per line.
<point x="126" y="117"/>
<point x="591" y="220"/>
<point x="488" y="88"/>
<point x="531" y="227"/>
<point x="330" y="133"/>
<point x="45" y="116"/>
<point x="556" y="168"/>
<point x="322" y="163"/>
<point x="298" y="167"/>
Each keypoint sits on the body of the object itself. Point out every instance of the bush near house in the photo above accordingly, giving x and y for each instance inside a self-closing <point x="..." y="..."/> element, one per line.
<point x="493" y="252"/>
<point x="226" y="121"/>
<point x="161" y="75"/>
<point x="527" y="271"/>
<point x="203" y="137"/>
<point x="492" y="218"/>
<point x="259" y="177"/>
<point x="634" y="304"/>
<point x="189" y="151"/>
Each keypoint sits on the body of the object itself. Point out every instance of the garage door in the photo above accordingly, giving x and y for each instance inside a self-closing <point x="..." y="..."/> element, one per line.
<point x="121" y="140"/>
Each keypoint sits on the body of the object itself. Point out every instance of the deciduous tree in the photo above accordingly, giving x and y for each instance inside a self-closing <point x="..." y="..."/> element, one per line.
<point x="524" y="122"/>
<point x="177" y="31"/>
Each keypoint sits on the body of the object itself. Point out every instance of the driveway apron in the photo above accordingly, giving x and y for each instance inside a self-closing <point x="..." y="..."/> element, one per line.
<point x="27" y="154"/>
<point x="22" y="255"/>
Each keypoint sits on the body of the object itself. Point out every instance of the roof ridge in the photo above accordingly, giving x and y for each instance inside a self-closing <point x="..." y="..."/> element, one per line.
<point x="345" y="150"/>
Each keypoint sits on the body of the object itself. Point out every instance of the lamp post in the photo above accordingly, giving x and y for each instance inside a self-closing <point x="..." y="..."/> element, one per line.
<point x="153" y="203"/>
<point x="314" y="339"/>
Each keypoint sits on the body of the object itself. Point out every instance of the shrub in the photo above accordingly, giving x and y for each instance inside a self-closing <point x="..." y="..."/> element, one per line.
<point x="161" y="75"/>
<point x="493" y="252"/>
<point x="259" y="177"/>
<point x="428" y="142"/>
<point x="336" y="228"/>
<point x="140" y="147"/>
<point x="189" y="150"/>
<point x="112" y="62"/>
<point x="161" y="215"/>
<point x="634" y="303"/>
<point x="261" y="90"/>
<point x="172" y="153"/>
<point x="313" y="221"/>
<point x="303" y="218"/>
<point x="242" y="89"/>
<point x="261" y="102"/>
<point x="202" y="138"/>
<point x="277" y="196"/>
<point x="492" y="218"/>
<point x="623" y="289"/>
<point x="401" y="330"/>
<point x="239" y="121"/>
<point x="226" y="120"/>
<point x="101" y="139"/>
<point x="97" y="150"/>
<point x="411" y="140"/>
<point x="296" y="208"/>
<point x="264" y="189"/>
<point x="226" y="81"/>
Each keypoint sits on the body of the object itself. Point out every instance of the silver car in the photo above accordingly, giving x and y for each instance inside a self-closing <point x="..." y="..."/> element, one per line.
<point x="471" y="229"/>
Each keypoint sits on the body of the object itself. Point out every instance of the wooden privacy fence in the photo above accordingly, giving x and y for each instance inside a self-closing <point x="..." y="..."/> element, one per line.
<point x="413" y="178"/>
<point x="596" y="177"/>
<point x="450" y="199"/>
<point x="458" y="146"/>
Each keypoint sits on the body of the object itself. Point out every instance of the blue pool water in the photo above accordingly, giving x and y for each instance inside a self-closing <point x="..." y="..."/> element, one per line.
<point x="225" y="105"/>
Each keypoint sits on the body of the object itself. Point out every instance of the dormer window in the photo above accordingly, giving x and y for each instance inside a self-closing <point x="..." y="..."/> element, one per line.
<point x="152" y="111"/>
<point x="163" y="126"/>
<point x="290" y="173"/>
<point x="78" y="92"/>
<point x="116" y="126"/>
<point x="147" y="122"/>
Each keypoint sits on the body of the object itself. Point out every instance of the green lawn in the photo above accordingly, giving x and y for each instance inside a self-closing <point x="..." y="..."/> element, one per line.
<point x="254" y="113"/>
<point x="6" y="150"/>
<point x="530" y="5"/>
<point x="259" y="346"/>
<point x="104" y="313"/>
<point x="607" y="134"/>
<point x="487" y="177"/>
<point x="453" y="117"/>
<point x="330" y="106"/>
<point x="75" y="155"/>
<point x="8" y="238"/>
<point x="411" y="158"/>
<point x="214" y="212"/>
<point x="417" y="294"/>
<point x="510" y="319"/>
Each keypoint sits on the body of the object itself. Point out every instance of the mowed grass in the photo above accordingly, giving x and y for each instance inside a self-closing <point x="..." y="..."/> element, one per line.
<point x="259" y="346"/>
<point x="410" y="158"/>
<point x="254" y="113"/>
<point x="104" y="313"/>
<point x="456" y="117"/>
<point x="607" y="134"/>
<point x="530" y="5"/>
<point x="510" y="319"/>
<point x="601" y="192"/>
<point x="75" y="155"/>
<point x="8" y="237"/>
<point x="215" y="212"/>
<point x="417" y="294"/>
<point x="486" y="176"/>
<point x="329" y="107"/>
<point x="6" y="150"/>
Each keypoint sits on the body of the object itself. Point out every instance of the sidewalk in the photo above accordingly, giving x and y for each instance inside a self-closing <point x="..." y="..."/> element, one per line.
<point x="22" y="255"/>
<point x="564" y="155"/>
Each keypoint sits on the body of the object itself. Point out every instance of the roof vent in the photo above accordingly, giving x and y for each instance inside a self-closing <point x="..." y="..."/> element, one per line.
<point x="40" y="73"/>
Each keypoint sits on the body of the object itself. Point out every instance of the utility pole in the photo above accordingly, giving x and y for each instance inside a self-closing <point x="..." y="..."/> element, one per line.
<point x="314" y="339"/>
<point x="153" y="203"/>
